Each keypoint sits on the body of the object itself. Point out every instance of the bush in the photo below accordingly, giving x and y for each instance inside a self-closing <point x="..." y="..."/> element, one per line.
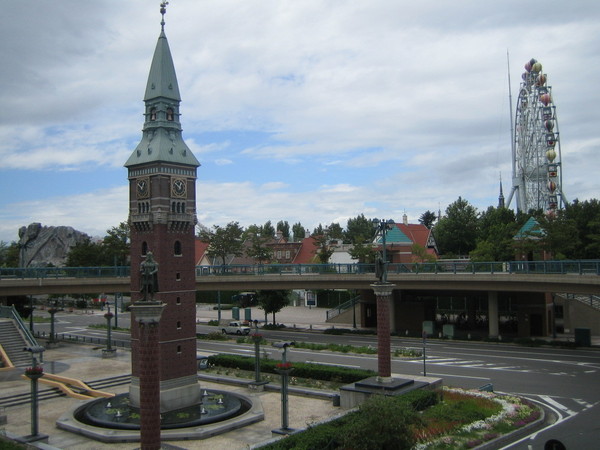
<point x="302" y="370"/>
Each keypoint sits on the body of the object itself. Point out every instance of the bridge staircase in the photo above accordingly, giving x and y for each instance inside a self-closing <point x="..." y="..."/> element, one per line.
<point x="14" y="337"/>
<point x="583" y="311"/>
<point x="342" y="313"/>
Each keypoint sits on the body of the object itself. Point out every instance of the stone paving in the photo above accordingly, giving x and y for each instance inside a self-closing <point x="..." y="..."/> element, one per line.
<point x="86" y="363"/>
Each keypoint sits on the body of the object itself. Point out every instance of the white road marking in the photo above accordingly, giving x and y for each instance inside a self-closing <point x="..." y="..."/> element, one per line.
<point x="560" y="406"/>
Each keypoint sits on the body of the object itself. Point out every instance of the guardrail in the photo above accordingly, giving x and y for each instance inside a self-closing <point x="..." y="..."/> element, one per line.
<point x="580" y="267"/>
<point x="10" y="312"/>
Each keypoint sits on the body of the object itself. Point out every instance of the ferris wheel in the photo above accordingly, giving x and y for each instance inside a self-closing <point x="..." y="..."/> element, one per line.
<point x="536" y="154"/>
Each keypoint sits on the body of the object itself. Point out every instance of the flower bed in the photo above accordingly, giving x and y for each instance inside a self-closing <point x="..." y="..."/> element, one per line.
<point x="513" y="413"/>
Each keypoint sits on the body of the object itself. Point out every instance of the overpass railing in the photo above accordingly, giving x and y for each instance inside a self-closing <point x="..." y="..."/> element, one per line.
<point x="580" y="267"/>
<point x="64" y="272"/>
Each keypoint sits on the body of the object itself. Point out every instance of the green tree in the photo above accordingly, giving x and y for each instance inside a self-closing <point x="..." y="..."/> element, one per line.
<point x="324" y="250"/>
<point x="117" y="244"/>
<point x="364" y="253"/>
<point x="284" y="227"/>
<point x="420" y="255"/>
<point x="586" y="216"/>
<point x="497" y="227"/>
<point x="259" y="249"/>
<point x="272" y="301"/>
<point x="335" y="231"/>
<point x="86" y="254"/>
<point x="223" y="242"/>
<point x="298" y="231"/>
<point x="12" y="255"/>
<point x="427" y="219"/>
<point x="456" y="232"/>
<point x="267" y="229"/>
<point x="359" y="230"/>
<point x="561" y="236"/>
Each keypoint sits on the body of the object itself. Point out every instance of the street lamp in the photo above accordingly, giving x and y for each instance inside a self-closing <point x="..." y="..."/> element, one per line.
<point x="34" y="373"/>
<point x="381" y="228"/>
<point x="284" y="368"/>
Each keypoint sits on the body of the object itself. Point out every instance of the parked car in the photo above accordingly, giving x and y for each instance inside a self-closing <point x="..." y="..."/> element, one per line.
<point x="236" y="328"/>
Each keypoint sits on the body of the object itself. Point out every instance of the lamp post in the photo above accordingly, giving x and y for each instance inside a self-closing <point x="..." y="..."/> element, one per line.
<point x="52" y="311"/>
<point x="284" y="369"/>
<point x="34" y="373"/>
<point x="108" y="351"/>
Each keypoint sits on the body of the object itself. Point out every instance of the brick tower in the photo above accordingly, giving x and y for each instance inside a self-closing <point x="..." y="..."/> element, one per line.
<point x="162" y="217"/>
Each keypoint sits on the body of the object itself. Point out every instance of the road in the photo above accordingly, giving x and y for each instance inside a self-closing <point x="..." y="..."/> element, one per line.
<point x="565" y="381"/>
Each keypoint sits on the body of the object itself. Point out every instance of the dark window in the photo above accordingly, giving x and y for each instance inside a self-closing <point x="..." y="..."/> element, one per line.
<point x="177" y="248"/>
<point x="144" y="248"/>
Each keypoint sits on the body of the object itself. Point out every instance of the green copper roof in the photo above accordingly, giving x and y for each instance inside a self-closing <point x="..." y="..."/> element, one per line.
<point x="162" y="140"/>
<point x="531" y="229"/>
<point x="395" y="235"/>
<point x="162" y="80"/>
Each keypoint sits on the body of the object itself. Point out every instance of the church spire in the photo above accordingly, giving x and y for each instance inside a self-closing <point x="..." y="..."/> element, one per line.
<point x="501" y="196"/>
<point x="162" y="140"/>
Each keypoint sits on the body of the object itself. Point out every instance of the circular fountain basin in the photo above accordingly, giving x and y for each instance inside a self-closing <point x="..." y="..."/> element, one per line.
<point x="117" y="413"/>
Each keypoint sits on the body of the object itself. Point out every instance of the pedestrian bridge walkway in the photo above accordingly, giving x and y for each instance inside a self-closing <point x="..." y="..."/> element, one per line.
<point x="576" y="277"/>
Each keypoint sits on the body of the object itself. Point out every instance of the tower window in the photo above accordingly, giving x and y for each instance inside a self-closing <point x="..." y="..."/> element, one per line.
<point x="177" y="248"/>
<point x="178" y="276"/>
<point x="144" y="248"/>
<point x="179" y="349"/>
<point x="153" y="114"/>
<point x="179" y="325"/>
<point x="178" y="301"/>
<point x="170" y="115"/>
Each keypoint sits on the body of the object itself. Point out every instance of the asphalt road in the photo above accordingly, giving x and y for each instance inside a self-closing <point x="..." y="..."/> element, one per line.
<point x="564" y="381"/>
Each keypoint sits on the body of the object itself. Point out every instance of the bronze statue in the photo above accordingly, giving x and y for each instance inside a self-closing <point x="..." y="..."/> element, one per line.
<point x="380" y="269"/>
<point x="149" y="271"/>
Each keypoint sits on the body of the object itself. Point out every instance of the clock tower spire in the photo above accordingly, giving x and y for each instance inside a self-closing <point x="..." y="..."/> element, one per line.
<point x="162" y="219"/>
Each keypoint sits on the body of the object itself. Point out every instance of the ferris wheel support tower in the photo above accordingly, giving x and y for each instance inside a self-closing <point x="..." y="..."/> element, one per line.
<point x="536" y="153"/>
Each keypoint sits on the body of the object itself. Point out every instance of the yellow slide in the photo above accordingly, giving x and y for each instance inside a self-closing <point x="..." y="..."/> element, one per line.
<point x="69" y="385"/>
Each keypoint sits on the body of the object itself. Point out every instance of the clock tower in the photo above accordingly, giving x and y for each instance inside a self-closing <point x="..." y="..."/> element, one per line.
<point x="162" y="219"/>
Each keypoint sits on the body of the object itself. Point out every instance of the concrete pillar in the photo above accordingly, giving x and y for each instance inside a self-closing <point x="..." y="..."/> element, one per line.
<point x="493" y="319"/>
<point x="383" y="294"/>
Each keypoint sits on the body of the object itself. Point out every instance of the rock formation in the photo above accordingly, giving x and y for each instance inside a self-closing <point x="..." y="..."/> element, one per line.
<point x="46" y="246"/>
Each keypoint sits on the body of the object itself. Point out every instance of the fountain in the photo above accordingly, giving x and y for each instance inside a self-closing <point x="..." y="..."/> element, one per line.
<point x="115" y="420"/>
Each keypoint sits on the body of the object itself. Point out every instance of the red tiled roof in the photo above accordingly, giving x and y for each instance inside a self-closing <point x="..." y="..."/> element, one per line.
<point x="417" y="233"/>
<point x="307" y="252"/>
<point x="199" y="250"/>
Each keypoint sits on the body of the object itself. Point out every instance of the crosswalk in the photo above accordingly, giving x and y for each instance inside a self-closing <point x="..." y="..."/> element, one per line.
<point x="468" y="363"/>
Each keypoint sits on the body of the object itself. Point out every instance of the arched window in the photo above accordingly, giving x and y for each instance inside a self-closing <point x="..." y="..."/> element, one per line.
<point x="153" y="114"/>
<point x="170" y="115"/>
<point x="144" y="248"/>
<point x="177" y="248"/>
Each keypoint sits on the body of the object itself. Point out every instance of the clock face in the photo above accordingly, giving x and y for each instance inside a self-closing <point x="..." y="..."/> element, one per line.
<point x="143" y="188"/>
<point x="178" y="187"/>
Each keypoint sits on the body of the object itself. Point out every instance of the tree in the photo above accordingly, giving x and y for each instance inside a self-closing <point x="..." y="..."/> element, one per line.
<point x="117" y="244"/>
<point x="586" y="216"/>
<point x="223" y="242"/>
<point x="359" y="230"/>
<point x="427" y="219"/>
<point x="86" y="254"/>
<point x="324" y="251"/>
<point x="497" y="227"/>
<point x="272" y="301"/>
<point x="298" y="231"/>
<point x="364" y="253"/>
<point x="420" y="255"/>
<point x="456" y="232"/>
<point x="335" y="231"/>
<point x="267" y="229"/>
<point x="259" y="249"/>
<point x="284" y="228"/>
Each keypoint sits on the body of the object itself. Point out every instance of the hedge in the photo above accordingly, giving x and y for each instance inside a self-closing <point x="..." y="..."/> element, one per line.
<point x="302" y="370"/>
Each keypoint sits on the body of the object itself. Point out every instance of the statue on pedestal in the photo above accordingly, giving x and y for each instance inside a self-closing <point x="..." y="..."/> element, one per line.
<point x="149" y="279"/>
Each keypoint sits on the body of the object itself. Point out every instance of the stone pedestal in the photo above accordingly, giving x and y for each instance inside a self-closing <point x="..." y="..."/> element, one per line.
<point x="383" y="293"/>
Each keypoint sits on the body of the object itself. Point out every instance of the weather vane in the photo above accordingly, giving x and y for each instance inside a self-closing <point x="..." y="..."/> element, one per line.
<point x="163" y="11"/>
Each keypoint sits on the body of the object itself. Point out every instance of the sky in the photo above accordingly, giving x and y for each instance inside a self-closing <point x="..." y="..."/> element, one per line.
<point x="310" y="111"/>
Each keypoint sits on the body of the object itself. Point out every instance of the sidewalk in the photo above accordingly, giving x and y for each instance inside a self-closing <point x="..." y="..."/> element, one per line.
<point x="86" y="363"/>
<point x="291" y="316"/>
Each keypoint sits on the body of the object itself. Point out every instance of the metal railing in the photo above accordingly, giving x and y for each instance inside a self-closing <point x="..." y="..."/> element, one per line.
<point x="9" y="312"/>
<point x="334" y="312"/>
<point x="580" y="267"/>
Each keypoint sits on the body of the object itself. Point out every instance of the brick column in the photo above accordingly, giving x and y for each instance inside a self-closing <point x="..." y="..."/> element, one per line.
<point x="383" y="293"/>
<point x="147" y="315"/>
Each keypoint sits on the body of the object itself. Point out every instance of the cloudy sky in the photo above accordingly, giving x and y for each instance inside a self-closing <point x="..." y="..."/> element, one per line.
<point x="310" y="111"/>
